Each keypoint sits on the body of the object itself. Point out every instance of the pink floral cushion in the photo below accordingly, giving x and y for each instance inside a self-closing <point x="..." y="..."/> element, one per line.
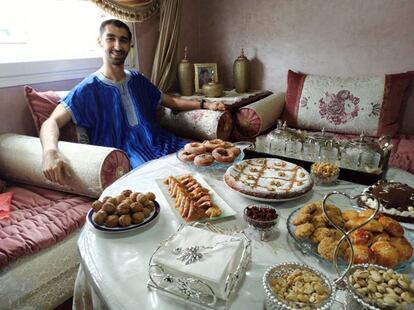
<point x="259" y="116"/>
<point x="41" y="105"/>
<point x="351" y="105"/>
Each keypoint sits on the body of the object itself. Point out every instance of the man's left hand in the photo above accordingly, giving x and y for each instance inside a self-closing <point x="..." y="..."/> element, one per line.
<point x="215" y="105"/>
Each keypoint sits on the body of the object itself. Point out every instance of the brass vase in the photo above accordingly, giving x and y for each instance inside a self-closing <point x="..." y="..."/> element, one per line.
<point x="241" y="73"/>
<point x="186" y="76"/>
<point x="213" y="89"/>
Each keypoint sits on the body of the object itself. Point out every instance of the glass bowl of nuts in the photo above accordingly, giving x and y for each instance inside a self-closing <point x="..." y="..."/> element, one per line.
<point x="297" y="286"/>
<point x="376" y="287"/>
<point x="324" y="172"/>
<point x="262" y="219"/>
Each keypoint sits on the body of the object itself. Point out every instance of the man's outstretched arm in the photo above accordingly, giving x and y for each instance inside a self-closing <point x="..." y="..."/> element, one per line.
<point x="180" y="104"/>
<point x="54" y="165"/>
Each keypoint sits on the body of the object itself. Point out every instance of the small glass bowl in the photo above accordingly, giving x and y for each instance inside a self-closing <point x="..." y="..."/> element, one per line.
<point x="261" y="218"/>
<point x="373" y="304"/>
<point x="324" y="172"/>
<point x="274" y="301"/>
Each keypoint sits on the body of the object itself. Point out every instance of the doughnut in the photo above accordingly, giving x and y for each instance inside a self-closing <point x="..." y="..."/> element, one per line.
<point x="212" y="144"/>
<point x="186" y="156"/>
<point x="195" y="148"/>
<point x="235" y="150"/>
<point x="227" y="144"/>
<point x="223" y="155"/>
<point x="203" y="160"/>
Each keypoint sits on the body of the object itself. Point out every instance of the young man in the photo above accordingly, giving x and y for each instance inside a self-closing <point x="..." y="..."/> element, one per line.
<point x="117" y="108"/>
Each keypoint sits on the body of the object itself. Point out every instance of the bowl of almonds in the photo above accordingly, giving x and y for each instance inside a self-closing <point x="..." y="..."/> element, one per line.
<point x="297" y="286"/>
<point x="376" y="287"/>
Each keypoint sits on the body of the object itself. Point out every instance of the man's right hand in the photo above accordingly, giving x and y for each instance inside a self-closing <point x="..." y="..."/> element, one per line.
<point x="55" y="168"/>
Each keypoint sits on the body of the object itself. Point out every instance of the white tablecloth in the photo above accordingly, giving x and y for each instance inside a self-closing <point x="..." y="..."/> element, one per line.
<point x="114" y="271"/>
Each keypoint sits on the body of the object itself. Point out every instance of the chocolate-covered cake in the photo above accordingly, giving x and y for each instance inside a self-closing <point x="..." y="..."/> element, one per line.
<point x="396" y="199"/>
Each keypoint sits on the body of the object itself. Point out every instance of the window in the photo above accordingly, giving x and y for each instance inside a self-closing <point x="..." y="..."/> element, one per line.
<point x="49" y="40"/>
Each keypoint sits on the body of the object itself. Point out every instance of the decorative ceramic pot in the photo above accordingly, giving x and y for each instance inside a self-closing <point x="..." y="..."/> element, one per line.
<point x="213" y="89"/>
<point x="241" y="73"/>
<point x="186" y="76"/>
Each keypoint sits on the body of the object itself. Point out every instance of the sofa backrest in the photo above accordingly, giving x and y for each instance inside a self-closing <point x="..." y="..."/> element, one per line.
<point x="15" y="116"/>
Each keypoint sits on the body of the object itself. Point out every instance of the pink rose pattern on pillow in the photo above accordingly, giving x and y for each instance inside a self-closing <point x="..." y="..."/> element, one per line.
<point x="339" y="108"/>
<point x="349" y="105"/>
<point x="341" y="104"/>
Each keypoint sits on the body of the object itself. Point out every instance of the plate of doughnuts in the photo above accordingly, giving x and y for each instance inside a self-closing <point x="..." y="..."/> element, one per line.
<point x="212" y="154"/>
<point x="383" y="241"/>
<point x="124" y="212"/>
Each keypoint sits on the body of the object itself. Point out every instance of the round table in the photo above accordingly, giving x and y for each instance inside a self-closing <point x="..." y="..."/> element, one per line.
<point x="114" y="266"/>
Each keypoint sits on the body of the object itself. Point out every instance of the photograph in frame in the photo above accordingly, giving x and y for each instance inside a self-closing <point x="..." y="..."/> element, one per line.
<point x="204" y="73"/>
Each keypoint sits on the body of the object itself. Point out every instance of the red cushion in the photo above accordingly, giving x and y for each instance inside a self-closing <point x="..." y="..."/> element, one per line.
<point x="41" y="105"/>
<point x="402" y="155"/>
<point x="347" y="105"/>
<point x="5" y="202"/>
<point x="38" y="219"/>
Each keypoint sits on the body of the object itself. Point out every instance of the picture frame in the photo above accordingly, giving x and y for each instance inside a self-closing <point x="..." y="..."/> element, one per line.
<point x="204" y="73"/>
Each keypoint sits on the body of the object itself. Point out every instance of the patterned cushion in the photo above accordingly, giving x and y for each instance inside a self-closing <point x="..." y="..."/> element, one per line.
<point x="259" y="116"/>
<point x="371" y="104"/>
<point x="41" y="105"/>
<point x="197" y="124"/>
<point x="93" y="168"/>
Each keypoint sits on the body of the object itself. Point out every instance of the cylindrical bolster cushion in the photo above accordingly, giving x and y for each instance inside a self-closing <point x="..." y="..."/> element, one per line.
<point x="197" y="124"/>
<point x="93" y="168"/>
<point x="255" y="118"/>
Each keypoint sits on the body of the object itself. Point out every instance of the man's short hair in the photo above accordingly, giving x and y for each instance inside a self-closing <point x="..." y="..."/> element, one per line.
<point x="117" y="23"/>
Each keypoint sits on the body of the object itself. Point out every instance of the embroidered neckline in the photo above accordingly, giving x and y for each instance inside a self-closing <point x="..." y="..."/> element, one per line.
<point x="104" y="79"/>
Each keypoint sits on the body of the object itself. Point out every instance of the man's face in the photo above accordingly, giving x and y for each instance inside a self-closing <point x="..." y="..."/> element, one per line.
<point x="115" y="44"/>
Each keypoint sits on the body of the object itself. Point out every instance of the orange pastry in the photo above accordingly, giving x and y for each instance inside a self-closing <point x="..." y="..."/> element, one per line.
<point x="349" y="214"/>
<point x="373" y="226"/>
<point x="362" y="237"/>
<point x="362" y="255"/>
<point x="391" y="226"/>
<point x="387" y="254"/>
<point x="381" y="237"/>
<point x="404" y="248"/>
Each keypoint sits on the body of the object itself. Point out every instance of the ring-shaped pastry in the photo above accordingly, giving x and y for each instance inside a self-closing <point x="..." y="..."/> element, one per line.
<point x="213" y="144"/>
<point x="203" y="159"/>
<point x="195" y="148"/>
<point x="223" y="155"/>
